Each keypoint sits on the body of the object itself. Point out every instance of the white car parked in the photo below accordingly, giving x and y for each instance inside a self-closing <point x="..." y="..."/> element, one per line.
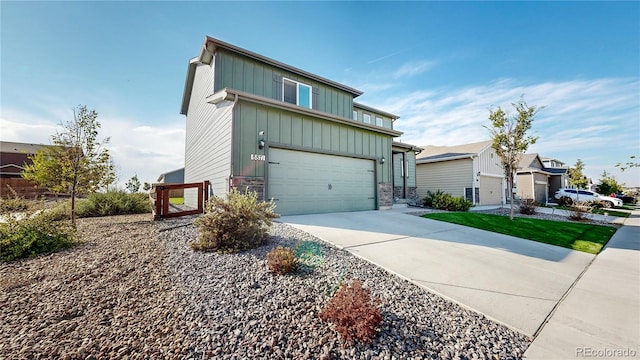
<point x="585" y="195"/>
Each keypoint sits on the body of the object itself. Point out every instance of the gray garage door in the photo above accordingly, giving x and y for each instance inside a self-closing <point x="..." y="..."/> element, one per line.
<point x="308" y="183"/>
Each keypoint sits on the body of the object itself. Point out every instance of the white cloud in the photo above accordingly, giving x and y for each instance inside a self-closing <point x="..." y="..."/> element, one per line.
<point x="136" y="147"/>
<point x="595" y="120"/>
<point x="413" y="68"/>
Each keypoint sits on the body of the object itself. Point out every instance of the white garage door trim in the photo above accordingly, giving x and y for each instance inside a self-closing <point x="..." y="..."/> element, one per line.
<point x="308" y="182"/>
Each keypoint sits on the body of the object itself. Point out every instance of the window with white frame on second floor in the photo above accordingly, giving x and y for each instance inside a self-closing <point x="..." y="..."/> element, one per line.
<point x="366" y="118"/>
<point x="355" y="115"/>
<point x="378" y="121"/>
<point x="296" y="93"/>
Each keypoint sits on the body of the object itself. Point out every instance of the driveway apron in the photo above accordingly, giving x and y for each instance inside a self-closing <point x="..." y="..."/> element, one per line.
<point x="513" y="281"/>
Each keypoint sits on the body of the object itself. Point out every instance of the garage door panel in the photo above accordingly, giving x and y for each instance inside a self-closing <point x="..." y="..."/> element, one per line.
<point x="306" y="183"/>
<point x="490" y="190"/>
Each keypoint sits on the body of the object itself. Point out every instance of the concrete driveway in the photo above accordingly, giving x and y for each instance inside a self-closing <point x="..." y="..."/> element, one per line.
<point x="514" y="281"/>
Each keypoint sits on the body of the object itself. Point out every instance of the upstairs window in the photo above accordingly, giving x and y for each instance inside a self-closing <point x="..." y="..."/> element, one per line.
<point x="355" y="115"/>
<point x="378" y="121"/>
<point x="296" y="93"/>
<point x="366" y="118"/>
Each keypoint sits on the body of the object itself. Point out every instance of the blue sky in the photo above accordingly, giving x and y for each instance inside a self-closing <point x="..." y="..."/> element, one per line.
<point x="440" y="66"/>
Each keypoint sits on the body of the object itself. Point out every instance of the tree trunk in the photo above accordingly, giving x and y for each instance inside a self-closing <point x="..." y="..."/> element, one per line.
<point x="512" y="197"/>
<point x="73" y="206"/>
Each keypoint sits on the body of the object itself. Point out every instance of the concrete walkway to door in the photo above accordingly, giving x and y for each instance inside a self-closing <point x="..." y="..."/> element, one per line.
<point x="514" y="281"/>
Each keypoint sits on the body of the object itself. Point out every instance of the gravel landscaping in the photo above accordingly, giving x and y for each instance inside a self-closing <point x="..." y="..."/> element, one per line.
<point x="135" y="289"/>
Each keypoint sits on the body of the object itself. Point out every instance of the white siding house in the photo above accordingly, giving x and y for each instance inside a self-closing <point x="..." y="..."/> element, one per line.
<point x="471" y="170"/>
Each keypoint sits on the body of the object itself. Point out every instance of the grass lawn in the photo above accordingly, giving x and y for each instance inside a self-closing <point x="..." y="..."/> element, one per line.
<point x="582" y="237"/>
<point x="176" y="200"/>
<point x="629" y="206"/>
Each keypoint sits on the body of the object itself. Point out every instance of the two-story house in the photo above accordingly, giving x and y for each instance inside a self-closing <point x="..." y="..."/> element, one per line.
<point x="258" y="124"/>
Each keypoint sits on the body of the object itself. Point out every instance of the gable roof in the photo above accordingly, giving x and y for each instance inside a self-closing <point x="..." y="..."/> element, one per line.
<point x="209" y="48"/>
<point x="20" y="148"/>
<point x="531" y="163"/>
<point x="442" y="153"/>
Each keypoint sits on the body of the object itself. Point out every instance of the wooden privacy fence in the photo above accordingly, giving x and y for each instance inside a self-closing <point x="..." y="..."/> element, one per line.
<point x="160" y="194"/>
<point x="23" y="188"/>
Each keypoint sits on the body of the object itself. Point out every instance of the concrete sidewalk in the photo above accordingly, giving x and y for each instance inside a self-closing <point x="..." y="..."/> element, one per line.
<point x="513" y="281"/>
<point x="600" y="316"/>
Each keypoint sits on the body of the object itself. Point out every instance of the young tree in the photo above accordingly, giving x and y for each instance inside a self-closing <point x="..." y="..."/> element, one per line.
<point x="146" y="186"/>
<point x="77" y="162"/>
<point x="609" y="185"/>
<point x="133" y="184"/>
<point x="576" y="177"/>
<point x="510" y="139"/>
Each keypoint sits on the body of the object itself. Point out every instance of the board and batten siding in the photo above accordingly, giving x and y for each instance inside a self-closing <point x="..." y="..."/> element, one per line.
<point x="301" y="132"/>
<point x="208" y="138"/>
<point x="241" y="73"/>
<point x="398" y="179"/>
<point x="489" y="163"/>
<point x="449" y="176"/>
<point x="387" y="123"/>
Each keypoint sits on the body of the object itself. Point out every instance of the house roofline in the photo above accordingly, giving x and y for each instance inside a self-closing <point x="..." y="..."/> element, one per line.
<point x="232" y="95"/>
<point x="410" y="147"/>
<point x="372" y="109"/>
<point x="427" y="160"/>
<point x="210" y="45"/>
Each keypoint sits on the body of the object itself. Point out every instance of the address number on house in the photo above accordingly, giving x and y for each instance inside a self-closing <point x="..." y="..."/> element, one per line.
<point x="258" y="157"/>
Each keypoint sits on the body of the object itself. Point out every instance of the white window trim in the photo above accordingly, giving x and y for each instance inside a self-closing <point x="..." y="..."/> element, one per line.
<point x="355" y="115"/>
<point x="379" y="118"/>
<point x="298" y="83"/>
<point x="364" y="118"/>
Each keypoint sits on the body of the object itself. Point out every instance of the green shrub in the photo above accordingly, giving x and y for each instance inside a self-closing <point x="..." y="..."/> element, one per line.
<point x="237" y="223"/>
<point x="34" y="234"/>
<point x="282" y="260"/>
<point x="528" y="207"/>
<point x="353" y="313"/>
<point x="113" y="202"/>
<point x="428" y="200"/>
<point x="448" y="202"/>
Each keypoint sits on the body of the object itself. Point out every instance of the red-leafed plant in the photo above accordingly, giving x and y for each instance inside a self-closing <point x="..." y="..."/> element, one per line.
<point x="282" y="260"/>
<point x="353" y="313"/>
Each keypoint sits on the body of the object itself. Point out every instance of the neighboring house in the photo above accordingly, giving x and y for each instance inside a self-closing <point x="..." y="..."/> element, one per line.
<point x="532" y="180"/>
<point x="559" y="177"/>
<point x="172" y="177"/>
<point x="258" y="124"/>
<point x="472" y="171"/>
<point x="15" y="156"/>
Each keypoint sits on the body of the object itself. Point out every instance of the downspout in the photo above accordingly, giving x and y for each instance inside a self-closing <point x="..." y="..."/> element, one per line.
<point x="474" y="171"/>
<point x="533" y="185"/>
<point x="233" y="134"/>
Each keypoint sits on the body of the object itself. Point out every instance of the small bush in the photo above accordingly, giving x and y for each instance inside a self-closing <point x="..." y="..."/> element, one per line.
<point x="34" y="234"/>
<point x="580" y="211"/>
<point x="565" y="201"/>
<point x="428" y="200"/>
<point x="282" y="260"/>
<point x="447" y="202"/>
<point x="14" y="203"/>
<point x="237" y="223"/>
<point x="107" y="204"/>
<point x="528" y="207"/>
<point x="353" y="313"/>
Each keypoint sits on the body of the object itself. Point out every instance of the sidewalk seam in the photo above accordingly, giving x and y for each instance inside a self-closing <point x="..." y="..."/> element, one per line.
<point x="564" y="296"/>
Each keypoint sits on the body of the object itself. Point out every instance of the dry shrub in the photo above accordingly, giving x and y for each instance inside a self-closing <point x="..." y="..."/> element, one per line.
<point x="282" y="260"/>
<point x="353" y="313"/>
<point x="528" y="207"/>
<point x="580" y="211"/>
<point x="237" y="223"/>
